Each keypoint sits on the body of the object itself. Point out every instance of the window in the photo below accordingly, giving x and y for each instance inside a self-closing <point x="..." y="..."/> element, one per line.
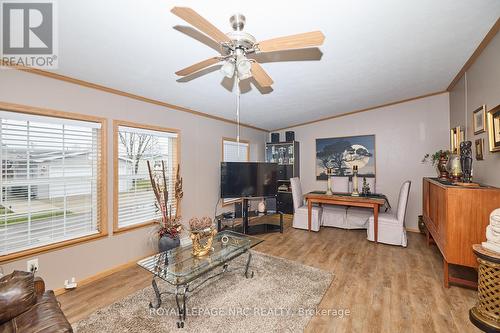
<point x="136" y="203"/>
<point x="232" y="151"/>
<point x="51" y="180"/>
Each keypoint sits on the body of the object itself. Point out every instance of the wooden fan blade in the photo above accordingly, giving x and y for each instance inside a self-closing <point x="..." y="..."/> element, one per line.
<point x="196" y="20"/>
<point x="198" y="66"/>
<point x="260" y="75"/>
<point x="307" y="39"/>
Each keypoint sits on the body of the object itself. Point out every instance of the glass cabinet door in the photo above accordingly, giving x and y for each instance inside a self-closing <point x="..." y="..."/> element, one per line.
<point x="283" y="154"/>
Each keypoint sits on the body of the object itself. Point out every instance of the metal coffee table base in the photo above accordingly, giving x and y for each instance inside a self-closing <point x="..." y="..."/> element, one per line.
<point x="182" y="290"/>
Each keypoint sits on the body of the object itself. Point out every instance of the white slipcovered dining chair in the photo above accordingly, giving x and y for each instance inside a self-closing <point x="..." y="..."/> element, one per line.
<point x="300" y="216"/>
<point x="391" y="228"/>
<point x="335" y="215"/>
<point x="357" y="217"/>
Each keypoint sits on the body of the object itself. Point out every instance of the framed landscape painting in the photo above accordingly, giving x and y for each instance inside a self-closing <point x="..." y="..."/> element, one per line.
<point x="341" y="154"/>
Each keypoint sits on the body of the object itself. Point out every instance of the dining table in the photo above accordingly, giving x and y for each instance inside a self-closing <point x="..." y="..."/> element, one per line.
<point x="373" y="201"/>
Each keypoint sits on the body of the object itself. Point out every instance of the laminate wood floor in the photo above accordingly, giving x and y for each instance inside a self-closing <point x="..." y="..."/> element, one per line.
<point x="385" y="288"/>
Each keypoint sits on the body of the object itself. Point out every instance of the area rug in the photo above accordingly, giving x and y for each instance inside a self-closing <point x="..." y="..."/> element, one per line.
<point x="282" y="296"/>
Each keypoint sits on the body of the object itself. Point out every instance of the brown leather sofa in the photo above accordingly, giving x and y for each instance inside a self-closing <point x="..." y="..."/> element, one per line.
<point x="26" y="307"/>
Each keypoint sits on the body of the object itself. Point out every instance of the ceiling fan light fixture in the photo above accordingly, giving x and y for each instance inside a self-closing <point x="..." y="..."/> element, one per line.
<point x="243" y="76"/>
<point x="244" y="65"/>
<point x="228" y="68"/>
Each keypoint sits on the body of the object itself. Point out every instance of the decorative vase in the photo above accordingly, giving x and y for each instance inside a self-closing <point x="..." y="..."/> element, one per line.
<point x="455" y="168"/>
<point x="202" y="241"/>
<point x="166" y="243"/>
<point x="441" y="167"/>
<point x="421" y="224"/>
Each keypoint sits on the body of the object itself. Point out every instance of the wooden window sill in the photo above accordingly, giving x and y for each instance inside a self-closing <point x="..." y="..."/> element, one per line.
<point x="118" y="230"/>
<point x="50" y="247"/>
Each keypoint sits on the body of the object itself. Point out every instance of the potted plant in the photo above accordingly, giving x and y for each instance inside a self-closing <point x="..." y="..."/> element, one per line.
<point x="169" y="225"/>
<point x="440" y="160"/>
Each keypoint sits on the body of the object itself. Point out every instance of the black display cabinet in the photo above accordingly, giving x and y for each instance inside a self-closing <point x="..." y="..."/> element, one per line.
<point x="286" y="154"/>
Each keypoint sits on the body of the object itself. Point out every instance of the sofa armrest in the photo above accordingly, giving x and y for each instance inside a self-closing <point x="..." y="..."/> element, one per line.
<point x="17" y="295"/>
<point x="39" y="286"/>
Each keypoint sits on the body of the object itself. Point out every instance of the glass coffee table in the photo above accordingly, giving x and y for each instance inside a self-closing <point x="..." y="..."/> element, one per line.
<point x="186" y="272"/>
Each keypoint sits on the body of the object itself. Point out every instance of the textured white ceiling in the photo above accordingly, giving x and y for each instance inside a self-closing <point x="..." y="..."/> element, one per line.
<point x="375" y="52"/>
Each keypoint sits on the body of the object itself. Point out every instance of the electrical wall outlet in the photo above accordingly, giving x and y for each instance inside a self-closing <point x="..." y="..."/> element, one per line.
<point x="32" y="265"/>
<point x="70" y="285"/>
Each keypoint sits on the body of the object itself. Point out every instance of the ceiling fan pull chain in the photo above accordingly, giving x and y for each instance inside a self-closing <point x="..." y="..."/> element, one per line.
<point x="237" y="112"/>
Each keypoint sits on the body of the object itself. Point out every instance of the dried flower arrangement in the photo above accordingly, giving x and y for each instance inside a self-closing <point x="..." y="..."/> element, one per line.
<point x="202" y="235"/>
<point x="169" y="224"/>
<point x="203" y="223"/>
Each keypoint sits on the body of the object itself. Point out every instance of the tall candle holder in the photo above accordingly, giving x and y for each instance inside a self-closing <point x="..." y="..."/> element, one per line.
<point x="329" y="174"/>
<point x="355" y="192"/>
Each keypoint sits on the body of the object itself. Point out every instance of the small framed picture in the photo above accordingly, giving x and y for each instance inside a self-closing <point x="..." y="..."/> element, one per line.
<point x="494" y="129"/>
<point x="479" y="120"/>
<point x="479" y="149"/>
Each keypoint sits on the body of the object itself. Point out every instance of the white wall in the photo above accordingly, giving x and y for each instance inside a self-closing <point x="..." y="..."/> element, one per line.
<point x="404" y="133"/>
<point x="483" y="87"/>
<point x="201" y="152"/>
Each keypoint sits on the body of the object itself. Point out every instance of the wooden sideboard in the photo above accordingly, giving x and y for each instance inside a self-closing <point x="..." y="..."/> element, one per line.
<point x="456" y="218"/>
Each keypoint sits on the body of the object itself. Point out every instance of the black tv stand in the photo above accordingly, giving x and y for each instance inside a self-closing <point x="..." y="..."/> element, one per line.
<point x="261" y="226"/>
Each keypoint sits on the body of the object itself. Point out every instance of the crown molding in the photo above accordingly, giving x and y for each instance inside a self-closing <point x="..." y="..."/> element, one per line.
<point x="484" y="43"/>
<point x="123" y="93"/>
<point x="361" y="110"/>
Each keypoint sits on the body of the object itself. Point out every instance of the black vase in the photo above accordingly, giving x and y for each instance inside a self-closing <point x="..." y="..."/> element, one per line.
<point x="421" y="224"/>
<point x="166" y="243"/>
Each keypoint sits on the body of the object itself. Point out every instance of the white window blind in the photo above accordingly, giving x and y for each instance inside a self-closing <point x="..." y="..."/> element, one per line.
<point x="234" y="152"/>
<point x="136" y="146"/>
<point x="50" y="180"/>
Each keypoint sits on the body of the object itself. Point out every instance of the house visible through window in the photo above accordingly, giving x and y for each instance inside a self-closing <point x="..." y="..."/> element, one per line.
<point x="136" y="146"/>
<point x="233" y="151"/>
<point x="50" y="181"/>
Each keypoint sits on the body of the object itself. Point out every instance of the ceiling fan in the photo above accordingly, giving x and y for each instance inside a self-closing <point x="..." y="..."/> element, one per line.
<point x="236" y="45"/>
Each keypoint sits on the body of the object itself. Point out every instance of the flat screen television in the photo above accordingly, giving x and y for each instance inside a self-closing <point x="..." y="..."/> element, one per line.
<point x="248" y="179"/>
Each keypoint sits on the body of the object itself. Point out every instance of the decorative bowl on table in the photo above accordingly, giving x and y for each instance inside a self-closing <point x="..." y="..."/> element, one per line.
<point x="202" y="234"/>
